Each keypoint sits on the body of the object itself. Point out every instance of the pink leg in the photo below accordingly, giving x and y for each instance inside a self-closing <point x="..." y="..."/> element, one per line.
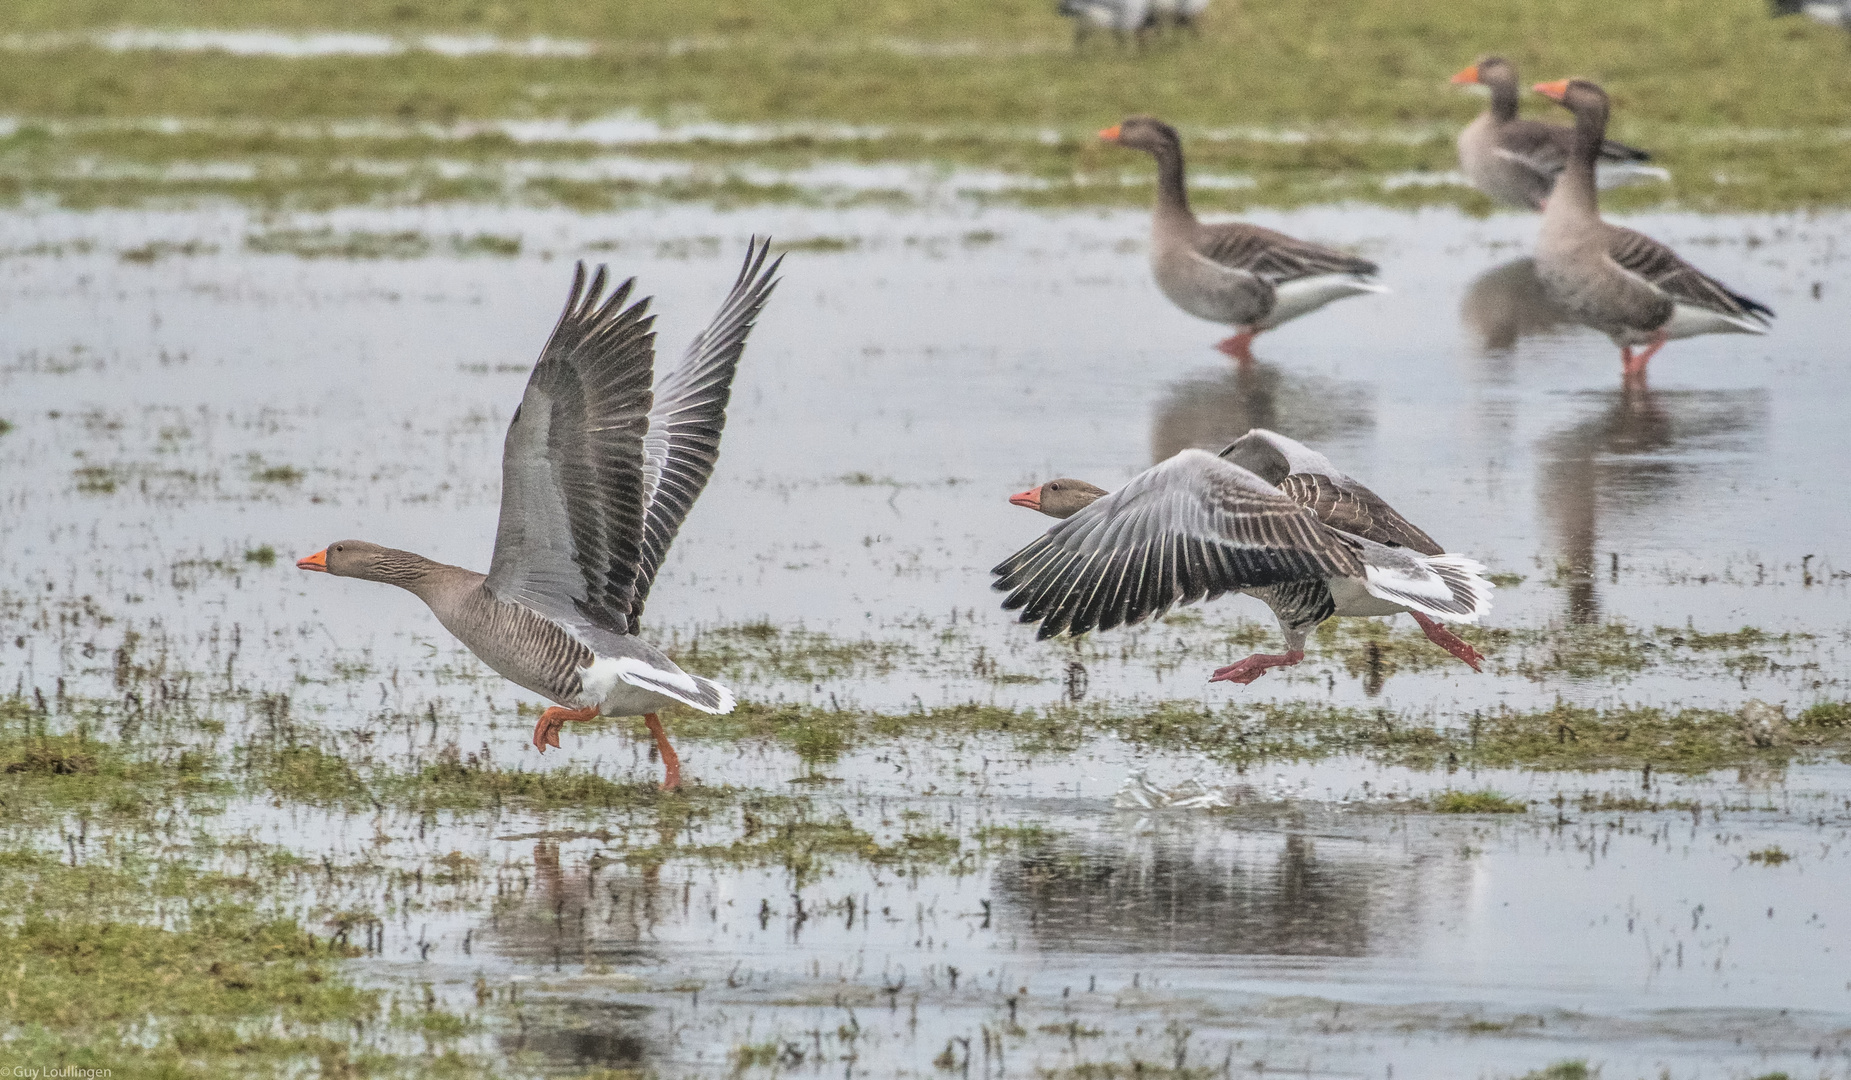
<point x="1254" y="666"/>
<point x="1240" y="346"/>
<point x="671" y="762"/>
<point x="1449" y="641"/>
<point x="1635" y="363"/>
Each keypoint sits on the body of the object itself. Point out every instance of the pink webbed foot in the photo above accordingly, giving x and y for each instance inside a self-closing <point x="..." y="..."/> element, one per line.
<point x="546" y="732"/>
<point x="1254" y="666"/>
<point x="1240" y="346"/>
<point x="1449" y="641"/>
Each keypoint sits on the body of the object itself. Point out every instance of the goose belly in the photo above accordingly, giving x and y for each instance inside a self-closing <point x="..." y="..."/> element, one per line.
<point x="1307" y="294"/>
<point x="1352" y="599"/>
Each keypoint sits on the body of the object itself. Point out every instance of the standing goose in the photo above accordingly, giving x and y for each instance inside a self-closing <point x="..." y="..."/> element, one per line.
<point x="1241" y="275"/>
<point x="1624" y="284"/>
<point x="598" y="473"/>
<point x="1268" y="517"/>
<point x="1516" y="161"/>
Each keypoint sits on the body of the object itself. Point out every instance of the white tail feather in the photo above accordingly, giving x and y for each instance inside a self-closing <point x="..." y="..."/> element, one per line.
<point x="691" y="690"/>
<point x="1447" y="587"/>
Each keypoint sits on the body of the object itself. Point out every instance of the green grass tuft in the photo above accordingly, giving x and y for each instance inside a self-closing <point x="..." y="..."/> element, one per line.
<point x="1474" y="802"/>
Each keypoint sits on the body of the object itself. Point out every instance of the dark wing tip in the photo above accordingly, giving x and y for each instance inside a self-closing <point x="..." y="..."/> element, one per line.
<point x="1753" y="307"/>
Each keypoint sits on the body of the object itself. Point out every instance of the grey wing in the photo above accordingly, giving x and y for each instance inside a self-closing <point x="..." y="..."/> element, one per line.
<point x="1541" y="148"/>
<point x="572" y="466"/>
<point x="1188" y="528"/>
<point x="1273" y="255"/>
<point x="683" y="441"/>
<point x="1344" y="504"/>
<point x="1683" y="283"/>
<point x="1309" y="479"/>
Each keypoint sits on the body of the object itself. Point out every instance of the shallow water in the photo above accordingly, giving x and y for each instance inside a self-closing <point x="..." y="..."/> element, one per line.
<point x="913" y="370"/>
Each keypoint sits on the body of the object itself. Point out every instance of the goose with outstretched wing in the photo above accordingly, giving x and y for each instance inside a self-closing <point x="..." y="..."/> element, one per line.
<point x="1268" y="517"/>
<point x="599" y="470"/>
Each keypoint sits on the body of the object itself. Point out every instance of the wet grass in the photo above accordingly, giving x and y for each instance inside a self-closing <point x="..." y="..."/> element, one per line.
<point x="1343" y="104"/>
<point x="156" y="968"/>
<point x="1474" y="802"/>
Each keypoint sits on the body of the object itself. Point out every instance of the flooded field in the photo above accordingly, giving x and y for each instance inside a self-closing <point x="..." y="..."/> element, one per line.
<point x="927" y="844"/>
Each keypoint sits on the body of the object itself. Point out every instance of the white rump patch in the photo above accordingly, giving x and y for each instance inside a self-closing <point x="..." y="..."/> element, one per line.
<point x="603" y="676"/>
<point x="1307" y="294"/>
<point x="1447" y="587"/>
<point x="1688" y="320"/>
<point x="691" y="690"/>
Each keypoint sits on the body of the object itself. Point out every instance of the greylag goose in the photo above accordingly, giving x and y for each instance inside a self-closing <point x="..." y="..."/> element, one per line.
<point x="1240" y="275"/>
<point x="1624" y="284"/>
<point x="1124" y="19"/>
<point x="1268" y="517"/>
<point x="1516" y="161"/>
<point x="598" y="473"/>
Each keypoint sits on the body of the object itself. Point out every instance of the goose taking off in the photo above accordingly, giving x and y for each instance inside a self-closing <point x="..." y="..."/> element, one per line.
<point x="598" y="473"/>
<point x="1268" y="517"/>
<point x="1624" y="284"/>
<point x="1240" y="275"/>
<point x="1516" y="161"/>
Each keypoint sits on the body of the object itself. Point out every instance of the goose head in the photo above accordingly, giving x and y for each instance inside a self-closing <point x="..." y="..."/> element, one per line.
<point x="1061" y="498"/>
<point x="1146" y="133"/>
<point x="369" y="562"/>
<point x="1492" y="72"/>
<point x="1578" y="96"/>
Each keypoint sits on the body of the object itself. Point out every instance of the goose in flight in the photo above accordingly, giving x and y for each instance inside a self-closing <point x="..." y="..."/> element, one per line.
<point x="1244" y="276"/>
<point x="1267" y="516"/>
<point x="599" y="470"/>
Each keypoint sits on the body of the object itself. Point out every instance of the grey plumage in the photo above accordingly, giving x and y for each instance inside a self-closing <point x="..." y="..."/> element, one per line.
<point x="599" y="470"/>
<point x="1632" y="288"/>
<point x="1268" y="517"/>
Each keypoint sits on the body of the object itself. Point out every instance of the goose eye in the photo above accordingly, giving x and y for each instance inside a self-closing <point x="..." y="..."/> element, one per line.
<point x="1053" y="487"/>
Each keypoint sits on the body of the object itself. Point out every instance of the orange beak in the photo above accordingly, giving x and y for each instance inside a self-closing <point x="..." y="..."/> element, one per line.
<point x="1466" y="77"/>
<point x="1110" y="134"/>
<point x="1554" y="91"/>
<point x="317" y="562"/>
<point x="1032" y="497"/>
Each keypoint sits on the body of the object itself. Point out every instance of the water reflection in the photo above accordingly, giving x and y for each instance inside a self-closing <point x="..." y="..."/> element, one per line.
<point x="599" y="915"/>
<point x="1637" y="451"/>
<point x="1211" y="408"/>
<point x="1244" y="893"/>
<point x="1507" y="303"/>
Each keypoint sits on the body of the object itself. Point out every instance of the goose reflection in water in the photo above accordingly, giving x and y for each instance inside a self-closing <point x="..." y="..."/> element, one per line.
<point x="1627" y="450"/>
<point x="1506" y="304"/>
<point x="1242" y="893"/>
<point x="1211" y="408"/>
<point x="1635" y="450"/>
<point x="566" y="918"/>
